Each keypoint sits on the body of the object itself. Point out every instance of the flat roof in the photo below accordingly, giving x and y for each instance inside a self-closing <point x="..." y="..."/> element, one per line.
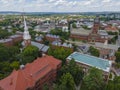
<point x="102" y="32"/>
<point x="80" y="31"/>
<point x="109" y="46"/>
<point x="92" y="61"/>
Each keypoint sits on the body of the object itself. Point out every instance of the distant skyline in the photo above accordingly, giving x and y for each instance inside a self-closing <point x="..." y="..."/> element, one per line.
<point x="60" y="5"/>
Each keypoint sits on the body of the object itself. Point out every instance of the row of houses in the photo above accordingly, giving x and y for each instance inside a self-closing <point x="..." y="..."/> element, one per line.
<point x="45" y="27"/>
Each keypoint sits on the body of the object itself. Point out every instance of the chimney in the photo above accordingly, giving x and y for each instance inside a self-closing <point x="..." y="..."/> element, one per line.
<point x="106" y="42"/>
<point x="22" y="67"/>
<point x="11" y="81"/>
<point x="43" y="55"/>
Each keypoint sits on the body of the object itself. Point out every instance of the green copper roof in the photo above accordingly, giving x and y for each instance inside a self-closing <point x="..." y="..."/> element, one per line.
<point x="91" y="61"/>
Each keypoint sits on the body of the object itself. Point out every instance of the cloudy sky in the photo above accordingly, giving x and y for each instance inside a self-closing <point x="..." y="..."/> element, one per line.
<point x="60" y="5"/>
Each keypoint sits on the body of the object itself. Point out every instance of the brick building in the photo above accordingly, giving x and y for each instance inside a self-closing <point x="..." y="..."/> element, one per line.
<point x="91" y="36"/>
<point x="6" y="42"/>
<point x="16" y="38"/>
<point x="87" y="61"/>
<point x="32" y="76"/>
<point x="52" y="38"/>
<point x="11" y="40"/>
<point x="107" y="51"/>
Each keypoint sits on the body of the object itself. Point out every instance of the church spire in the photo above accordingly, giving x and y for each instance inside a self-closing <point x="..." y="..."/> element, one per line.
<point x="25" y="25"/>
<point x="26" y="35"/>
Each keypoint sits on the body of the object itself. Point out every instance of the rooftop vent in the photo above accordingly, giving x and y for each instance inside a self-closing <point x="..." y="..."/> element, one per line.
<point x="22" y="67"/>
<point x="11" y="81"/>
<point x="43" y="55"/>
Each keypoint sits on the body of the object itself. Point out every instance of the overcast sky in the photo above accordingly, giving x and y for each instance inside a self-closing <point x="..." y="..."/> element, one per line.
<point x="60" y="5"/>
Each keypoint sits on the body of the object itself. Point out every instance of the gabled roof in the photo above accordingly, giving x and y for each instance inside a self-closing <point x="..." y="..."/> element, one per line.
<point x="41" y="47"/>
<point x="27" y="77"/>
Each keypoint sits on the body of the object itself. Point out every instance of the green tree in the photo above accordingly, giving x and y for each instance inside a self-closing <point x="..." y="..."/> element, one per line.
<point x="15" y="65"/>
<point x="74" y="25"/>
<point x="63" y="35"/>
<point x="60" y="53"/>
<point x="114" y="85"/>
<point x="4" y="34"/>
<point x="94" y="51"/>
<point x="119" y="49"/>
<point x="66" y="82"/>
<point x="117" y="54"/>
<point x="29" y="54"/>
<point x="4" y="53"/>
<point x="13" y="51"/>
<point x="94" y="80"/>
<point x="31" y="51"/>
<point x="27" y="59"/>
<point x="75" y="70"/>
<point x="4" y="69"/>
<point x="45" y="87"/>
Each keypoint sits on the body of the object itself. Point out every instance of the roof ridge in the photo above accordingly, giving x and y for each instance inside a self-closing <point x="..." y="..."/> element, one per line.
<point x="23" y="76"/>
<point x="16" y="79"/>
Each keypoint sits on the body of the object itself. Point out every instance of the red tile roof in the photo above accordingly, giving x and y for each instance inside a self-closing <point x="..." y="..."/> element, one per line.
<point x="24" y="78"/>
<point x="111" y="28"/>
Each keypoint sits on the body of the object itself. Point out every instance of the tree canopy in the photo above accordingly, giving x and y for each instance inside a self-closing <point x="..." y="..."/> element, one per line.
<point x="29" y="54"/>
<point x="75" y="71"/>
<point x="94" y="51"/>
<point x="113" y="85"/>
<point x="66" y="82"/>
<point x="4" y="34"/>
<point x="60" y="53"/>
<point x="94" y="80"/>
<point x="117" y="54"/>
<point x="63" y="35"/>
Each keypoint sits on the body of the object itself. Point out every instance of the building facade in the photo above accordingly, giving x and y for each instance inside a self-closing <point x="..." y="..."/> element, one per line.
<point x="87" y="61"/>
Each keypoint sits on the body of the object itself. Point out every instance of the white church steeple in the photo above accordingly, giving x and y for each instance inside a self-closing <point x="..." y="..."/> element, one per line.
<point x="26" y="35"/>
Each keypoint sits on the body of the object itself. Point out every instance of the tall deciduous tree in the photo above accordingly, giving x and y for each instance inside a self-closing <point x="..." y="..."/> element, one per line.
<point x="75" y="70"/>
<point x="4" y="54"/>
<point x="31" y="51"/>
<point x="60" y="53"/>
<point x="66" y="82"/>
<point x="113" y="85"/>
<point x="94" y="79"/>
<point x="15" y="65"/>
<point x="29" y="54"/>
<point x="117" y="54"/>
<point x="94" y="51"/>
